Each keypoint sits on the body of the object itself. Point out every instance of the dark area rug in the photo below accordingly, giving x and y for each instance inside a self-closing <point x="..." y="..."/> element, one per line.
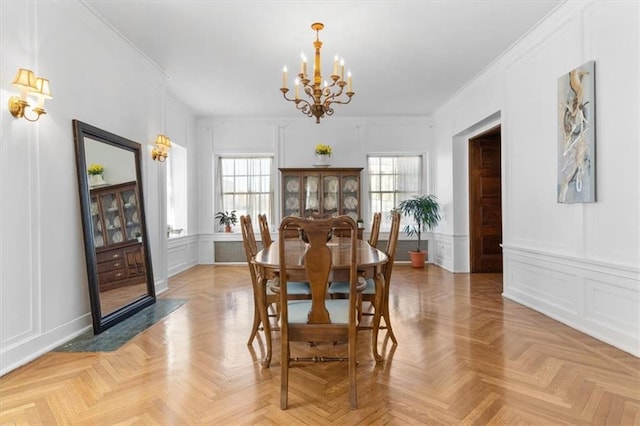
<point x="121" y="333"/>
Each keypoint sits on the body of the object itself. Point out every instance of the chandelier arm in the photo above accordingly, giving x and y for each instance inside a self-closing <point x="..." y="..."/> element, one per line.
<point x="341" y="102"/>
<point x="304" y="107"/>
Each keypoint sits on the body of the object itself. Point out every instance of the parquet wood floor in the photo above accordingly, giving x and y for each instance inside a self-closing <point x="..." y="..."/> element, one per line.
<point x="465" y="356"/>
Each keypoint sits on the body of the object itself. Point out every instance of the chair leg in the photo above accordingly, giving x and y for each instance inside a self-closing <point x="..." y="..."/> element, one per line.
<point x="284" y="377"/>
<point x="353" y="390"/>
<point x="385" y="314"/>
<point x="256" y="323"/>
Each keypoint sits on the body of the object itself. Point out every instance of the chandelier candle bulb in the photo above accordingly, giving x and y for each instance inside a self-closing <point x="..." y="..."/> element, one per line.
<point x="284" y="77"/>
<point x="335" y="65"/>
<point x="297" y="88"/>
<point x="342" y="69"/>
<point x="349" y="83"/>
<point x="303" y="65"/>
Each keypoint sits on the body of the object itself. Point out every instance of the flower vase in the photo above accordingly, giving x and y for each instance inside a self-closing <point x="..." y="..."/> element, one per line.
<point x="96" y="180"/>
<point x="322" y="160"/>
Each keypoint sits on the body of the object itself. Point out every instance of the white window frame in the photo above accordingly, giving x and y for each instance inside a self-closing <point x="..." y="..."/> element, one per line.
<point x="177" y="190"/>
<point x="423" y="181"/>
<point x="219" y="193"/>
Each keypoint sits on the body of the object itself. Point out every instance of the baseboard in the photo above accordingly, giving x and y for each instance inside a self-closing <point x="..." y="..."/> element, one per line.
<point x="596" y="298"/>
<point x="27" y="350"/>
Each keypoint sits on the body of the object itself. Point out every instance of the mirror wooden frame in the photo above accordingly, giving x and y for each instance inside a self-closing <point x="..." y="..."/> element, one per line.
<point x="102" y="322"/>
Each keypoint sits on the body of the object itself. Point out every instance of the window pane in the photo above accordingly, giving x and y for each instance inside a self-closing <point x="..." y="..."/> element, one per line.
<point x="246" y="185"/>
<point x="177" y="191"/>
<point x="391" y="180"/>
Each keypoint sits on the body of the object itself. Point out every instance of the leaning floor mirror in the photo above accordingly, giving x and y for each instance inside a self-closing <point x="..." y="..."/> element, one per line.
<point x="116" y="241"/>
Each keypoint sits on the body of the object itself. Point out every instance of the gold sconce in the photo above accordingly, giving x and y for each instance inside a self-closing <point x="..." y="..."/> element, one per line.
<point x="29" y="84"/>
<point x="161" y="148"/>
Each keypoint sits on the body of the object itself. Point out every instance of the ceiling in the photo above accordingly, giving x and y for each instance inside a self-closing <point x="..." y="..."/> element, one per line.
<point x="225" y="58"/>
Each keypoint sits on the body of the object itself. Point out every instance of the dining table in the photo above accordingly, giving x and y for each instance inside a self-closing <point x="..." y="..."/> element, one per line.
<point x="369" y="259"/>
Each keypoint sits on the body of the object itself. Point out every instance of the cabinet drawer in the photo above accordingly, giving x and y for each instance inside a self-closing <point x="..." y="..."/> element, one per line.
<point x="111" y="265"/>
<point x="111" y="255"/>
<point x="110" y="276"/>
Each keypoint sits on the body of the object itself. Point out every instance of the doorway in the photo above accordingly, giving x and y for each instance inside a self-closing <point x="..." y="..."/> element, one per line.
<point x="485" y="202"/>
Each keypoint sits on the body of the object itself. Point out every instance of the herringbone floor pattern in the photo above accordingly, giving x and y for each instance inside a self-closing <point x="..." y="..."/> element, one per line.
<point x="465" y="356"/>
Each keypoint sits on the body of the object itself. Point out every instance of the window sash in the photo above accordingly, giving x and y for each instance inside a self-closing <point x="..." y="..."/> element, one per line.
<point x="246" y="185"/>
<point x="392" y="179"/>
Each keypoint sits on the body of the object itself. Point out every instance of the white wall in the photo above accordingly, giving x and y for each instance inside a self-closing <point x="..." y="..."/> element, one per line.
<point x="578" y="263"/>
<point x="292" y="142"/>
<point x="98" y="78"/>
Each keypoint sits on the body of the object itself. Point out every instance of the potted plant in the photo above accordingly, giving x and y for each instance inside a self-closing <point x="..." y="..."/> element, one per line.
<point x="425" y="212"/>
<point x="227" y="219"/>
<point x="323" y="152"/>
<point x="138" y="236"/>
<point x="96" y="175"/>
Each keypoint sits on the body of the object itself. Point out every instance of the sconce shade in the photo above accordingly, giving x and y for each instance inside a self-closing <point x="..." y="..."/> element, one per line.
<point x="163" y="140"/>
<point x="42" y="88"/>
<point x="161" y="148"/>
<point x="25" y="79"/>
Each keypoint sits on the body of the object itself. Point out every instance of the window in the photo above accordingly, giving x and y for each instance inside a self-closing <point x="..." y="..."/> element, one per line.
<point x="246" y="185"/>
<point x="177" y="191"/>
<point x="392" y="179"/>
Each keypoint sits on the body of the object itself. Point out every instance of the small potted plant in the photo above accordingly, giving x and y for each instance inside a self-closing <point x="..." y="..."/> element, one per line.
<point x="425" y="212"/>
<point x="323" y="153"/>
<point x="138" y="236"/>
<point x="96" y="175"/>
<point x="227" y="219"/>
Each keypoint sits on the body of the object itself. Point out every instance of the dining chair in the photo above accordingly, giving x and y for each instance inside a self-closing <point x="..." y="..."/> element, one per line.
<point x="266" y="293"/>
<point x="265" y="235"/>
<point x="263" y="296"/>
<point x="375" y="229"/>
<point x="319" y="319"/>
<point x="368" y="294"/>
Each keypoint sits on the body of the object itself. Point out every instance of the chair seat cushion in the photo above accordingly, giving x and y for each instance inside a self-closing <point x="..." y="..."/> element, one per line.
<point x="342" y="287"/>
<point x="338" y="311"/>
<point x="293" y="287"/>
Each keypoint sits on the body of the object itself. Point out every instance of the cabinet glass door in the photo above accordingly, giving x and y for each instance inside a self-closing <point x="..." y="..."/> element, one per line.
<point x="112" y="220"/>
<point x="98" y="234"/>
<point x="291" y="196"/>
<point x="350" y="196"/>
<point x="330" y="195"/>
<point x="131" y="213"/>
<point x="311" y="195"/>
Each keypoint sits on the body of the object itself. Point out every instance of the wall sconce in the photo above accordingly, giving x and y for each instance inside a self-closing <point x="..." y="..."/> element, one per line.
<point x="161" y="148"/>
<point x="29" y="84"/>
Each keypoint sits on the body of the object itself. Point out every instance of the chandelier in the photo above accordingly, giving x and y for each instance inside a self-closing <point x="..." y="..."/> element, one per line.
<point x="321" y="95"/>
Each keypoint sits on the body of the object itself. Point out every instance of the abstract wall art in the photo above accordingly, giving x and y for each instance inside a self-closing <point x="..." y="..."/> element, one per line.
<point x="577" y="135"/>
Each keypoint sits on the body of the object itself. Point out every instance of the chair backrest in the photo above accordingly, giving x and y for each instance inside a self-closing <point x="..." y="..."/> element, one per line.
<point x="248" y="237"/>
<point x="317" y="264"/>
<point x="375" y="229"/>
<point x="265" y="235"/>
<point x="392" y="245"/>
<point x="250" y="248"/>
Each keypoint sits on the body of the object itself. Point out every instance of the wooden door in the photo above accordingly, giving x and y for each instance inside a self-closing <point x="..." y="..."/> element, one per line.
<point x="485" y="202"/>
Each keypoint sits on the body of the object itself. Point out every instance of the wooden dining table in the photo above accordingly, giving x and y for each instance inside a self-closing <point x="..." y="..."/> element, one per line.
<point x="369" y="261"/>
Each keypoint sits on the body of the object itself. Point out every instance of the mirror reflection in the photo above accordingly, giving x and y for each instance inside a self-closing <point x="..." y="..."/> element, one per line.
<point x="118" y="264"/>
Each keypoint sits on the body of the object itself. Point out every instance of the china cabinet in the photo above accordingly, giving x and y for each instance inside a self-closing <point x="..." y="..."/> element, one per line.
<point x="116" y="225"/>
<point x="321" y="192"/>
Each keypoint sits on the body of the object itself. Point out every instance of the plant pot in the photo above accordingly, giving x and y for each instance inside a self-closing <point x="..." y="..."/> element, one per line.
<point x="322" y="160"/>
<point x="96" y="180"/>
<point x="417" y="258"/>
<point x="227" y="228"/>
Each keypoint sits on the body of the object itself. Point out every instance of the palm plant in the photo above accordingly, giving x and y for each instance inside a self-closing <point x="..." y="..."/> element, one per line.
<point x="425" y="212"/>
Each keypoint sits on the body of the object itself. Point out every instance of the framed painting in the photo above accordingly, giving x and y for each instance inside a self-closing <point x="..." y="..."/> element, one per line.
<point x="577" y="135"/>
